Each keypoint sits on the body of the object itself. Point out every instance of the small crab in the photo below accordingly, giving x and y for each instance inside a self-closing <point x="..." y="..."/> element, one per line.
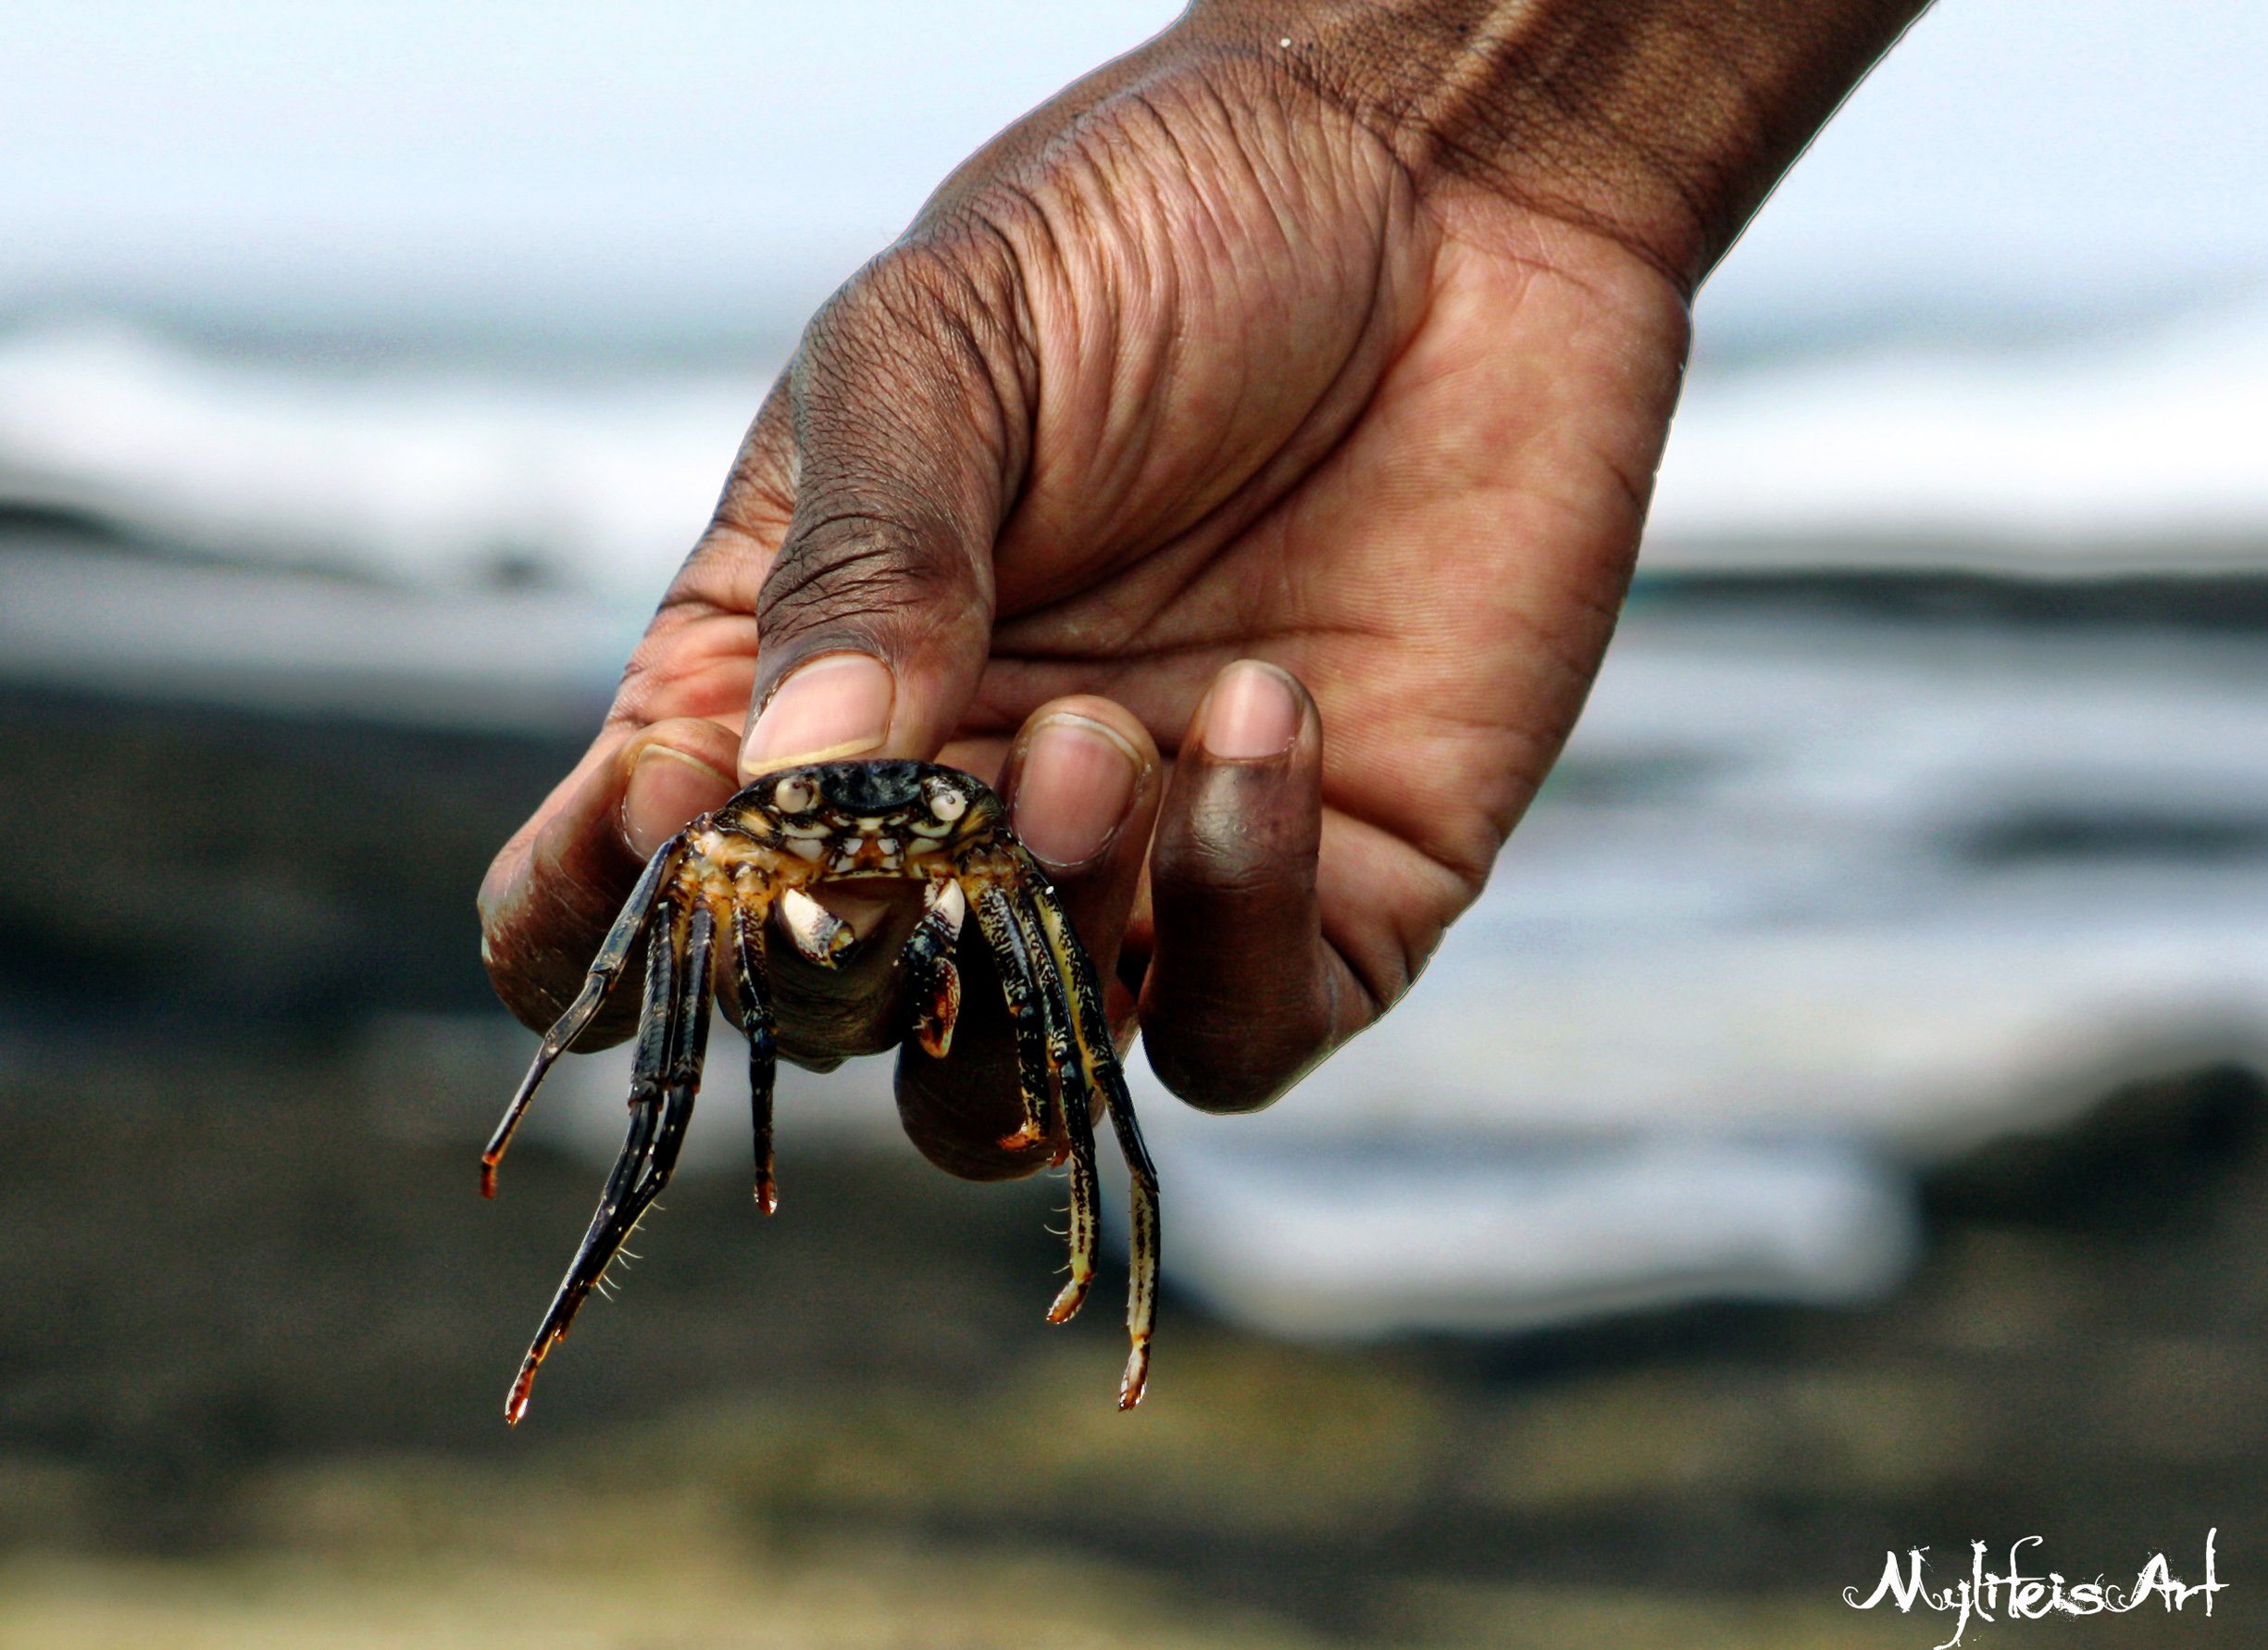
<point x="706" y="897"/>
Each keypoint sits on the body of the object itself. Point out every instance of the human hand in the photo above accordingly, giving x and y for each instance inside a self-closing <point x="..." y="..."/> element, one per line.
<point x="1285" y="398"/>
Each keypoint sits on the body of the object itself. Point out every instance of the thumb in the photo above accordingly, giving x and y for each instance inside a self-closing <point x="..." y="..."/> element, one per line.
<point x="909" y="431"/>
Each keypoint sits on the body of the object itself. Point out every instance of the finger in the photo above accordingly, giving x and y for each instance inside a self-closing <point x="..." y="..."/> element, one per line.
<point x="551" y="894"/>
<point x="669" y="749"/>
<point x="1243" y="994"/>
<point x="1082" y="783"/>
<point x="909" y="419"/>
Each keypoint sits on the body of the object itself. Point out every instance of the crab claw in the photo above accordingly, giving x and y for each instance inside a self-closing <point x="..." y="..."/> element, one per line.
<point x="932" y="979"/>
<point x="818" y="934"/>
<point x="936" y="1016"/>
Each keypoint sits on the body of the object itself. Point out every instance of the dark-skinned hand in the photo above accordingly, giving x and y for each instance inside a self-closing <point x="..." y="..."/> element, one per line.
<point x="1242" y="459"/>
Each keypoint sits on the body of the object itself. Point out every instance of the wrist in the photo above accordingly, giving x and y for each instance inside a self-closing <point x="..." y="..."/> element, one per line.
<point x="1662" y="123"/>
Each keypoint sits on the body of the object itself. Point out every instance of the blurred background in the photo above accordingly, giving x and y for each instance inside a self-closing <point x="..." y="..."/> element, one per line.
<point x="1836" y="1130"/>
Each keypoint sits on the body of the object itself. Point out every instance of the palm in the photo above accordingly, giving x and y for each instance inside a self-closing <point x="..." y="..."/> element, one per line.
<point x="1397" y="443"/>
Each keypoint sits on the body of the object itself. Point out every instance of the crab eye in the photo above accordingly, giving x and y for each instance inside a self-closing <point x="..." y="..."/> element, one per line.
<point x="948" y="804"/>
<point x="791" y="795"/>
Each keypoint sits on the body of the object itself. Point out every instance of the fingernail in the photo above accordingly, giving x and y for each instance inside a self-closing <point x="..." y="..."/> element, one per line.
<point x="667" y="788"/>
<point x="1252" y="711"/>
<point x="837" y="706"/>
<point x="1073" y="790"/>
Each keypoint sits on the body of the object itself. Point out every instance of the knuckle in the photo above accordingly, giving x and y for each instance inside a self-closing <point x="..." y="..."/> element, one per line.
<point x="1229" y="860"/>
<point x="862" y="571"/>
<point x="1238" y="1066"/>
<point x="922" y="352"/>
<point x="938" y="299"/>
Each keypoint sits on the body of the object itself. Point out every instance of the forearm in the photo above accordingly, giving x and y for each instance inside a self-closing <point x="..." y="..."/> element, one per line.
<point x="1663" y="123"/>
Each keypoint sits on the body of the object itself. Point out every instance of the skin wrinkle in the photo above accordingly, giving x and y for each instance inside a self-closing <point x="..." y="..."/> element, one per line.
<point x="1507" y="115"/>
<point x="873" y="409"/>
<point x="1248" y="155"/>
<point x="742" y="534"/>
<point x="1467" y="871"/>
<point x="1223" y="646"/>
<point x="876" y="611"/>
<point x="1127" y="430"/>
<point x="1036" y="209"/>
<point x="1164" y="128"/>
<point x="1398" y="114"/>
<point x="1176" y="278"/>
<point x="1227" y="528"/>
<point x="669" y="675"/>
<point x="835" y="552"/>
<point x="1024" y="352"/>
<point x="1219" y="645"/>
<point x="1199" y="673"/>
<point x="922" y="288"/>
<point x="1224" y="523"/>
<point x="1698" y="185"/>
<point x="958" y="305"/>
<point x="1128" y="439"/>
<point x="1317" y="355"/>
<point x="1383" y="966"/>
<point x="1467" y="865"/>
<point x="728" y="563"/>
<point x="1635" y="494"/>
<point x="1637" y="490"/>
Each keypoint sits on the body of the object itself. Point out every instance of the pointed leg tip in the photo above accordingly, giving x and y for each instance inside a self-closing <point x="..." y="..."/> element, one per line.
<point x="523" y="1384"/>
<point x="487" y="1180"/>
<point x="1067" y="1304"/>
<point x="1137" y="1381"/>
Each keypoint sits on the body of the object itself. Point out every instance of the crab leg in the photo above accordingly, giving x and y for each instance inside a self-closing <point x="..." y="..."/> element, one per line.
<point x="672" y="1038"/>
<point x="752" y="1009"/>
<point x="1098" y="1059"/>
<point x="1019" y="984"/>
<point x="1073" y="1091"/>
<point x="598" y="985"/>
<point x="933" y="983"/>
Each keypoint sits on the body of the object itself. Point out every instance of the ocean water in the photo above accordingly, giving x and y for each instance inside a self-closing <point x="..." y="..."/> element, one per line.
<point x="2132" y="450"/>
<point x="1848" y="868"/>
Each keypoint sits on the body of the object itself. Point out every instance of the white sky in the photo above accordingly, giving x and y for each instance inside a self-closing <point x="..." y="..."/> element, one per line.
<point x="710" y="167"/>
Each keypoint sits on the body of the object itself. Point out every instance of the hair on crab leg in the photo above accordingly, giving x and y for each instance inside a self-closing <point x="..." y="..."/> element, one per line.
<point x="672" y="1039"/>
<point x="1073" y="1091"/>
<point x="664" y="961"/>
<point x="1098" y="1057"/>
<point x="752" y="1008"/>
<point x="1019" y="985"/>
<point x="598" y="985"/>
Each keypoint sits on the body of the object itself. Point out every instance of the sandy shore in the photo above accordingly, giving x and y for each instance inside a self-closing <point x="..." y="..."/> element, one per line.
<point x="259" y="1325"/>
